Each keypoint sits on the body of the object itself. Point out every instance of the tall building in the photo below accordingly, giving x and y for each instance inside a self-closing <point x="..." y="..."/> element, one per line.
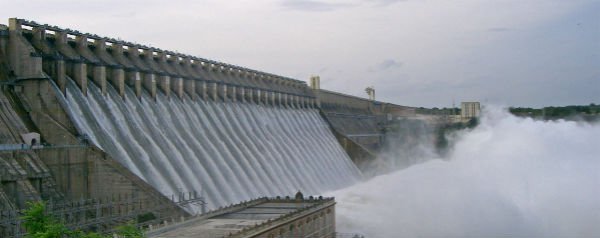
<point x="470" y="109"/>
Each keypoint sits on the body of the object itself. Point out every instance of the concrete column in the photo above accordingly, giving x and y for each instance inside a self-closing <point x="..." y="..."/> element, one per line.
<point x="117" y="79"/>
<point x="242" y="94"/>
<point x="249" y="95"/>
<point x="150" y="84"/>
<point x="233" y="94"/>
<point x="97" y="71"/>
<point x="293" y="101"/>
<point x="265" y="97"/>
<point x="164" y="83"/>
<point x="134" y="79"/>
<point x="258" y="96"/>
<point x="177" y="87"/>
<point x="273" y="98"/>
<point x="60" y="75"/>
<point x="164" y="80"/>
<point x="202" y="90"/>
<point x="21" y="53"/>
<point x="99" y="77"/>
<point x="279" y="99"/>
<point x="214" y="91"/>
<point x="79" y="70"/>
<point x="57" y="67"/>
<point x="298" y="102"/>
<point x="224" y="92"/>
<point x="190" y="88"/>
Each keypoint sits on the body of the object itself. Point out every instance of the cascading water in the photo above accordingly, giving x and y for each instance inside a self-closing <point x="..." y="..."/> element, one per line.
<point x="229" y="151"/>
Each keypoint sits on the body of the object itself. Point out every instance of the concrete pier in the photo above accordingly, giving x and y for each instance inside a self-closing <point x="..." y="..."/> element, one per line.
<point x="202" y="90"/>
<point x="258" y="96"/>
<point x="190" y="88"/>
<point x="191" y="81"/>
<point x="94" y="67"/>
<point x="249" y="94"/>
<point x="76" y="68"/>
<point x="54" y="65"/>
<point x="214" y="91"/>
<point x="177" y="87"/>
<point x="117" y="78"/>
<point x="223" y="92"/>
<point x="234" y="95"/>
<point x="146" y="75"/>
<point x="106" y="61"/>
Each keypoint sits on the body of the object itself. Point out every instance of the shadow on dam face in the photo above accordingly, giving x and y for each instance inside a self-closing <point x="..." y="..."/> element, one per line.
<point x="230" y="151"/>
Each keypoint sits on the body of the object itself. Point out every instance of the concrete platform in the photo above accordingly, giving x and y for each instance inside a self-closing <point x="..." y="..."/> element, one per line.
<point x="264" y="217"/>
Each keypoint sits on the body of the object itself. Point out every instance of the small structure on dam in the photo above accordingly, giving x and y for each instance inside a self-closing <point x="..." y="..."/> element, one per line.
<point x="260" y="218"/>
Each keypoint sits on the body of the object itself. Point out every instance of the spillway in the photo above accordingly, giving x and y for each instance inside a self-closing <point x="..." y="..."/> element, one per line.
<point x="230" y="151"/>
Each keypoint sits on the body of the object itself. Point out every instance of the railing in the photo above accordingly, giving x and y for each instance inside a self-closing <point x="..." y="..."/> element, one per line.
<point x="364" y="135"/>
<point x="338" y="114"/>
<point x="101" y="215"/>
<point x="26" y="147"/>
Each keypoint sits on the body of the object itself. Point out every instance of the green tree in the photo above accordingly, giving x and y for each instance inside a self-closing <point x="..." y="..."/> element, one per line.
<point x="40" y="224"/>
<point x="129" y="230"/>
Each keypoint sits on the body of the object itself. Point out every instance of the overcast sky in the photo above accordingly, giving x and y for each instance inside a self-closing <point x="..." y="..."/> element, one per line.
<point x="414" y="52"/>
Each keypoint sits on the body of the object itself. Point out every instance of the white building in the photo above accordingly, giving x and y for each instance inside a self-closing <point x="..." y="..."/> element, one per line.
<point x="470" y="109"/>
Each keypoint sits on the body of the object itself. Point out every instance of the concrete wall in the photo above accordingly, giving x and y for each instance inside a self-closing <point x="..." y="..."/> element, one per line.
<point x="23" y="176"/>
<point x="57" y="174"/>
<point x="359" y="122"/>
<point x="317" y="224"/>
<point x="347" y="104"/>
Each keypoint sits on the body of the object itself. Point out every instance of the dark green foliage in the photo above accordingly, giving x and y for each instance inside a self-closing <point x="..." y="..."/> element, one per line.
<point x="40" y="224"/>
<point x="442" y="144"/>
<point x="145" y="217"/>
<point x="129" y="230"/>
<point x="589" y="112"/>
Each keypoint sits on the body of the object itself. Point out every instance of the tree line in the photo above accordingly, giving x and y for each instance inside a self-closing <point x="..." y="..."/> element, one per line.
<point x="591" y="111"/>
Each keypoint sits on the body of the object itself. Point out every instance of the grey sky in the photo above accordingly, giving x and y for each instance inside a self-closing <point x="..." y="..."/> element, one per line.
<point x="415" y="52"/>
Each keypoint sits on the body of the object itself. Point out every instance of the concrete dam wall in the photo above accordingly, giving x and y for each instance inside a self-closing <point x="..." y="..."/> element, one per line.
<point x="179" y="122"/>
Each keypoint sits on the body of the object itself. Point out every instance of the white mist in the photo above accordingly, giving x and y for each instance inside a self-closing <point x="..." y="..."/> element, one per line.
<point x="509" y="177"/>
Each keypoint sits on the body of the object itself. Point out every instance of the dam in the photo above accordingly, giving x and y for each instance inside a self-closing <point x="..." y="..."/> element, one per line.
<point x="186" y="124"/>
<point x="165" y="135"/>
